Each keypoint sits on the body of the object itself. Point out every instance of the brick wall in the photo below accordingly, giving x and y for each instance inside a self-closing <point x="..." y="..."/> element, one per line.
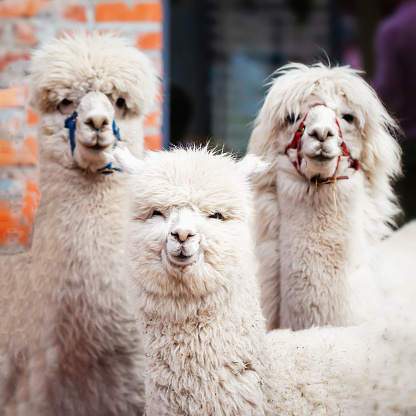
<point x="22" y="24"/>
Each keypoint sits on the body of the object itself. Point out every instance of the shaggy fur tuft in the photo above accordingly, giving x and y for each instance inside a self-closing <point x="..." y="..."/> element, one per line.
<point x="68" y="329"/>
<point x="83" y="61"/>
<point x="317" y="259"/>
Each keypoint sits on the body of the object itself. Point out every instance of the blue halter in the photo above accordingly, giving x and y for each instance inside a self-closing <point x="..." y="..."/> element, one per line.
<point x="70" y="123"/>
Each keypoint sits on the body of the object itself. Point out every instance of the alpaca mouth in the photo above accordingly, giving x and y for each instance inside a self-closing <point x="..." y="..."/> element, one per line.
<point x="181" y="259"/>
<point x="96" y="148"/>
<point x="322" y="157"/>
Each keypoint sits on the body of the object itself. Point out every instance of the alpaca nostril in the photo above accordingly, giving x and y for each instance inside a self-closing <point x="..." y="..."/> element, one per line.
<point x="97" y="122"/>
<point x="321" y="134"/>
<point x="182" y="235"/>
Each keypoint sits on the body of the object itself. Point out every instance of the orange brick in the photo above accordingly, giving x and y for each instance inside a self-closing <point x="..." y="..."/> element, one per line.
<point x="29" y="153"/>
<point x="120" y="12"/>
<point x="15" y="8"/>
<point x="152" y="40"/>
<point x="153" y="142"/>
<point x="8" y="154"/>
<point x="75" y="12"/>
<point x="31" y="118"/>
<point x="30" y="200"/>
<point x="25" y="155"/>
<point x="10" y="57"/>
<point x="13" y="97"/>
<point x="153" y="120"/>
<point x="25" y="33"/>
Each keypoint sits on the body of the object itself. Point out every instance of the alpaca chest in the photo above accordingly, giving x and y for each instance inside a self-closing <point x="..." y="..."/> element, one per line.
<point x="201" y="372"/>
<point x="317" y="269"/>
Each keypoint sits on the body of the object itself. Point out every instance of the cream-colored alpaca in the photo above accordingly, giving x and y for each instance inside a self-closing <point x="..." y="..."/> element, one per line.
<point x="68" y="332"/>
<point x="190" y="263"/>
<point x="326" y="200"/>
<point x="191" y="270"/>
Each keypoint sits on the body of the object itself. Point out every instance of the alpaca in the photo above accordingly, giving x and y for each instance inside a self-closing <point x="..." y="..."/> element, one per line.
<point x="69" y="326"/>
<point x="326" y="201"/>
<point x="188" y="271"/>
<point x="190" y="264"/>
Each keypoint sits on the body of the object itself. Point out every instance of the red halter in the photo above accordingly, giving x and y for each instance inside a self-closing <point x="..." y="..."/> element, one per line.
<point x="297" y="144"/>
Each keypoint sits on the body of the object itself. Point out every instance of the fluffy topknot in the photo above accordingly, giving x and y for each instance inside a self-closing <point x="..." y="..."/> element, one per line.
<point x="104" y="62"/>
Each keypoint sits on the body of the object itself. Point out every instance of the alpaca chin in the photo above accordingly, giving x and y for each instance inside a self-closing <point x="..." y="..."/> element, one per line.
<point x="92" y="158"/>
<point x="320" y="167"/>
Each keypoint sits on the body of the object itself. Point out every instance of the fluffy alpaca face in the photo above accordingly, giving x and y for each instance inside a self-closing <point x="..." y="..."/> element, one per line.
<point x="324" y="122"/>
<point x="189" y="213"/>
<point x="325" y="129"/>
<point x="103" y="79"/>
<point x="330" y="102"/>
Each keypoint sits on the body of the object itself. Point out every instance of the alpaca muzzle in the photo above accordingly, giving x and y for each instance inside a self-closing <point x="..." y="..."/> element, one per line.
<point x="183" y="240"/>
<point x="296" y="145"/>
<point x="71" y="123"/>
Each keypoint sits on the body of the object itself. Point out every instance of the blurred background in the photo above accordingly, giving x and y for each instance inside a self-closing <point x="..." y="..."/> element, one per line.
<point x="215" y="57"/>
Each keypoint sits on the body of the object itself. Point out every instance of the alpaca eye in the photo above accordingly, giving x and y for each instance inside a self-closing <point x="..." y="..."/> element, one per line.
<point x="157" y="213"/>
<point x="121" y="103"/>
<point x="291" y="118"/>
<point x="217" y="215"/>
<point x="66" y="102"/>
<point x="66" y="106"/>
<point x="349" y="118"/>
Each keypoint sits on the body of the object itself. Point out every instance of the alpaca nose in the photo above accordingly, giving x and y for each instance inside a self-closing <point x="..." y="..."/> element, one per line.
<point x="181" y="234"/>
<point x="321" y="131"/>
<point x="97" y="121"/>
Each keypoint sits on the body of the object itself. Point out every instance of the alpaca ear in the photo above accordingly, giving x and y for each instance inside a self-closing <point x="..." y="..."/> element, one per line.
<point x="252" y="164"/>
<point x="125" y="160"/>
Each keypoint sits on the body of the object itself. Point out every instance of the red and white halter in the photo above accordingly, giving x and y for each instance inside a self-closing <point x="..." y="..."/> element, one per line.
<point x="297" y="144"/>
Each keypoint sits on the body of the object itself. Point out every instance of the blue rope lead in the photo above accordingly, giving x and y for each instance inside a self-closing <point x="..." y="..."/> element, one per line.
<point x="116" y="131"/>
<point x="106" y="170"/>
<point x="70" y="123"/>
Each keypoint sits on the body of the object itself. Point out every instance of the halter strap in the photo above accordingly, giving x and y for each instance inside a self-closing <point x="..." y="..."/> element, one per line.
<point x="297" y="144"/>
<point x="71" y="123"/>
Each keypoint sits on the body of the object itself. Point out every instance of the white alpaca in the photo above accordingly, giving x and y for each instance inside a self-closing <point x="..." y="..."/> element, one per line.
<point x="67" y="321"/>
<point x="326" y="201"/>
<point x="192" y="283"/>
<point x="191" y="272"/>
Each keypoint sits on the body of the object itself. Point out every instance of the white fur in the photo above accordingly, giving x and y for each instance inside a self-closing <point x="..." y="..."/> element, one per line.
<point x="206" y="348"/>
<point x="67" y="323"/>
<point x="317" y="264"/>
<point x="397" y="269"/>
<point x="357" y="370"/>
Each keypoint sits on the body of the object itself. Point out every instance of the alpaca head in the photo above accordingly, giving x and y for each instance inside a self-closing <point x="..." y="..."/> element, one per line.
<point x="98" y="83"/>
<point x="318" y="147"/>
<point x="189" y="220"/>
<point x="319" y="122"/>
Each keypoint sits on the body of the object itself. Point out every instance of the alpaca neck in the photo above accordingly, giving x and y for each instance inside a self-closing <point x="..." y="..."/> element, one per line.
<point x="195" y="361"/>
<point x="80" y="221"/>
<point x="79" y="245"/>
<point x="325" y="260"/>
